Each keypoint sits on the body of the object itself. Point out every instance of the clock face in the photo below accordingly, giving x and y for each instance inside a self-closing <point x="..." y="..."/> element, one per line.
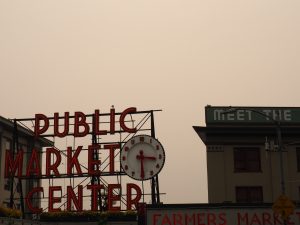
<point x="142" y="157"/>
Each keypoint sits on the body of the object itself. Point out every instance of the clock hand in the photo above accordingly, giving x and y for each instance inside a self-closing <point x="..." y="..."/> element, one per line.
<point x="141" y="157"/>
<point x="142" y="169"/>
<point x="150" y="157"/>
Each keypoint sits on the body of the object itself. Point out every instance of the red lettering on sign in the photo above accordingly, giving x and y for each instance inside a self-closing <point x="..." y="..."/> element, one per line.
<point x="112" y="149"/>
<point x="96" y="124"/>
<point x="93" y="163"/>
<point x="95" y="189"/>
<point x="52" y="167"/>
<point x="112" y="197"/>
<point x="112" y="120"/>
<point x="255" y="220"/>
<point x="166" y="220"/>
<point x="211" y="219"/>
<point x="53" y="200"/>
<point x="133" y="201"/>
<point x="178" y="219"/>
<point x="73" y="160"/>
<point x="222" y="217"/>
<point x="71" y="196"/>
<point x="242" y="218"/>
<point x="276" y="219"/>
<point x="122" y="120"/>
<point x="34" y="164"/>
<point x="12" y="165"/>
<point x="38" y="130"/>
<point x="266" y="219"/>
<point x="155" y="218"/>
<point x="201" y="219"/>
<point x="190" y="218"/>
<point x="29" y="197"/>
<point x="80" y="121"/>
<point x="65" y="123"/>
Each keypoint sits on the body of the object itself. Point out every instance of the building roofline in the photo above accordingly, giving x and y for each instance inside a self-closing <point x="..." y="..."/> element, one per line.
<point x="24" y="131"/>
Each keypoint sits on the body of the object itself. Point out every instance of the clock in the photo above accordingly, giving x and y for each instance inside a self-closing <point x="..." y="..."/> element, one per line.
<point x="142" y="157"/>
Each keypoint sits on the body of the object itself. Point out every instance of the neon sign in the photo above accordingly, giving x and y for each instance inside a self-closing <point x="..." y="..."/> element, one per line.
<point x="77" y="125"/>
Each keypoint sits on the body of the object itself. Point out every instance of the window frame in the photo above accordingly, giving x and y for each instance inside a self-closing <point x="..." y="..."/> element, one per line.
<point x="246" y="162"/>
<point x="249" y="192"/>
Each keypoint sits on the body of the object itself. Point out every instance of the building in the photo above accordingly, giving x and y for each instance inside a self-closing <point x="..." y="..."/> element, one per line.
<point x="253" y="153"/>
<point x="13" y="137"/>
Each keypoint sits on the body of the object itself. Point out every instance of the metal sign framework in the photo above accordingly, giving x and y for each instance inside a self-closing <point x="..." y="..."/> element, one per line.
<point x="144" y="124"/>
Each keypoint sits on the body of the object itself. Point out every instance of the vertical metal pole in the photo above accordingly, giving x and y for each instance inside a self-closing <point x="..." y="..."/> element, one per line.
<point x="154" y="184"/>
<point x="19" y="180"/>
<point x="15" y="148"/>
<point x="96" y="179"/>
<point x="279" y="136"/>
<point x="12" y="150"/>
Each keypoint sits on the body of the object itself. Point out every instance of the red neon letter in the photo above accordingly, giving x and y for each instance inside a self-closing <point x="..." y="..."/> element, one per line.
<point x="80" y="121"/>
<point x="97" y="124"/>
<point x="29" y="197"/>
<point x="95" y="189"/>
<point x="155" y="218"/>
<point x="37" y="130"/>
<point x="92" y="162"/>
<point x="72" y="196"/>
<point x="11" y="165"/>
<point x="222" y="218"/>
<point x="112" y="149"/>
<point x="34" y="164"/>
<point x="137" y="198"/>
<point x="54" y="166"/>
<point x="73" y="160"/>
<point x="242" y="218"/>
<point x="122" y="120"/>
<point x="112" y="198"/>
<point x="56" y="125"/>
<point x="211" y="219"/>
<point x="112" y="120"/>
<point x="53" y="199"/>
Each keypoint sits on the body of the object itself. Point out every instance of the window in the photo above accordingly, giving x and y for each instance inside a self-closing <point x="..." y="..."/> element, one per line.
<point x="247" y="159"/>
<point x="298" y="159"/>
<point x="7" y="184"/>
<point x="249" y="194"/>
<point x="8" y="144"/>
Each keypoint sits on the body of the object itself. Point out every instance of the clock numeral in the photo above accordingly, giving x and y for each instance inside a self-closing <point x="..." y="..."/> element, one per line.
<point x="157" y="166"/>
<point x="157" y="147"/>
<point x="151" y="172"/>
<point x="126" y="167"/>
<point x="142" y="139"/>
<point x="124" y="158"/>
<point x="132" y="141"/>
<point x="132" y="173"/>
<point x="126" y="149"/>
<point x="160" y="156"/>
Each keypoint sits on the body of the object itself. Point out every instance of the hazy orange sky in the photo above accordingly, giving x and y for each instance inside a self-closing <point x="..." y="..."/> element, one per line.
<point x="174" y="55"/>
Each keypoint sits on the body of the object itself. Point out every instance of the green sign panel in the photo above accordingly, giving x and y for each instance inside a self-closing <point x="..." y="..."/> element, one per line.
<point x="235" y="115"/>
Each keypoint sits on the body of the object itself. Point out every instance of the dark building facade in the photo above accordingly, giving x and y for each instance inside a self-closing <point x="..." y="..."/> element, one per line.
<point x="14" y="137"/>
